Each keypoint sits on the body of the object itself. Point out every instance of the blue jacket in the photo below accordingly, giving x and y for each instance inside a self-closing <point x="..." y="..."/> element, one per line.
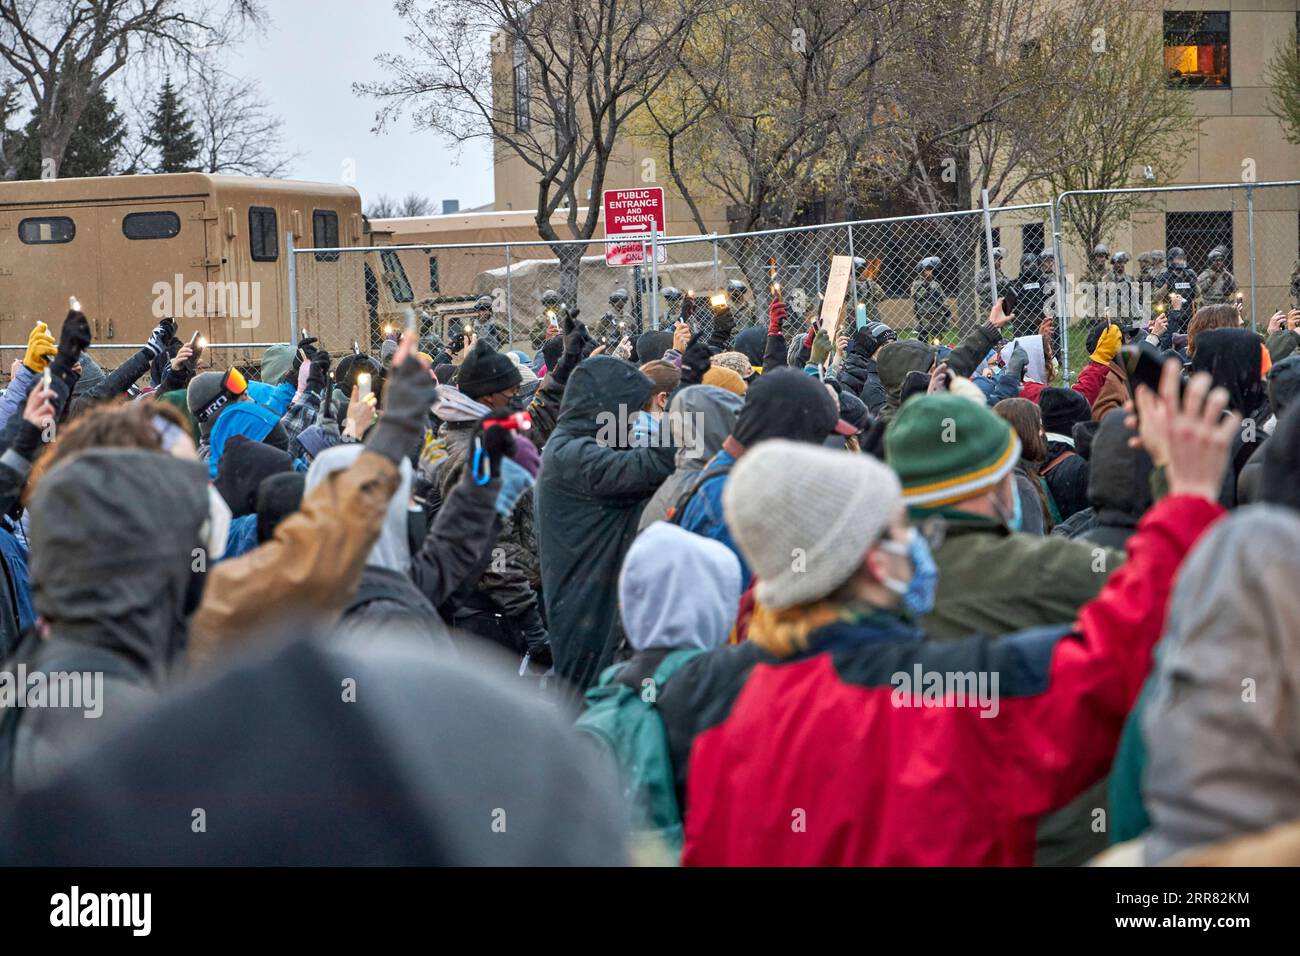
<point x="242" y="536"/>
<point x="703" y="514"/>
<point x="243" y="418"/>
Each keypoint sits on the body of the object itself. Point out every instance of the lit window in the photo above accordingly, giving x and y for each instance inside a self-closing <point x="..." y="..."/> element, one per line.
<point x="1196" y="49"/>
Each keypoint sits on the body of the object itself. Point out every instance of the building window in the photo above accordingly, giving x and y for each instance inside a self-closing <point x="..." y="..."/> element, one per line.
<point x="151" y="225"/>
<point x="54" y="229"/>
<point x="1196" y="49"/>
<point x="1196" y="233"/>
<point x="433" y="274"/>
<point x="325" y="234"/>
<point x="263" y="240"/>
<point x="520" y="73"/>
<point x="398" y="285"/>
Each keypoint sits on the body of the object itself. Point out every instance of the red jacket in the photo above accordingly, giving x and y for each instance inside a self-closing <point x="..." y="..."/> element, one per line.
<point x="811" y="760"/>
<point x="1091" y="378"/>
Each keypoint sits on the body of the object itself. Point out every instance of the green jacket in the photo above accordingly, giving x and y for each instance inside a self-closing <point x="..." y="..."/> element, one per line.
<point x="992" y="581"/>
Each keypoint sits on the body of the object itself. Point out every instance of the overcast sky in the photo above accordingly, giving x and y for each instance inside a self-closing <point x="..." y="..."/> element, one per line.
<point x="306" y="63"/>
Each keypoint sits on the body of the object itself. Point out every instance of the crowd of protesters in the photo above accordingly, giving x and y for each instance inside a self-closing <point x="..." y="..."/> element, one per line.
<point x="842" y="597"/>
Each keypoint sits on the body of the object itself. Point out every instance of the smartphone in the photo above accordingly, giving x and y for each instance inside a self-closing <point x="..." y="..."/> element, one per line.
<point x="1008" y="298"/>
<point x="1144" y="366"/>
<point x="46" y="379"/>
<point x="363" y="386"/>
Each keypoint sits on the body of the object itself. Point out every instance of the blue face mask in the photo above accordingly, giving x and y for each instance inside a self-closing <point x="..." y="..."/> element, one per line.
<point x="1017" y="520"/>
<point x="917" y="593"/>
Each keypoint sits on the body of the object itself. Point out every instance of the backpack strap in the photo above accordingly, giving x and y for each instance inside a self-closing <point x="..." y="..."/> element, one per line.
<point x="672" y="662"/>
<point x="678" y="508"/>
<point x="1056" y="461"/>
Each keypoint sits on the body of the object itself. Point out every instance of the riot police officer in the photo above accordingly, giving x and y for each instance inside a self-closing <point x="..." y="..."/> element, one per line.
<point x="1098" y="265"/>
<point x="1121" y="291"/>
<point x="550" y="314"/>
<point x="982" y="284"/>
<point x="1028" y="287"/>
<point x="613" y="323"/>
<point x="1144" y="267"/>
<point x="742" y="310"/>
<point x="929" y="301"/>
<point x="1218" y="285"/>
<point x="673" y="314"/>
<point x="1177" y="278"/>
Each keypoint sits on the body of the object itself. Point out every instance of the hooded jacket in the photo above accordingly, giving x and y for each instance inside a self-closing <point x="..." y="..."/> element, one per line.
<point x="404" y="775"/>
<point x="113" y="586"/>
<point x="249" y="419"/>
<point x="894" y="360"/>
<point x="711" y="414"/>
<point x="1221" y="754"/>
<point x="1119" y="484"/>
<point x="244" y="464"/>
<point x="1233" y="357"/>
<point x="884" y="778"/>
<point x="589" y="497"/>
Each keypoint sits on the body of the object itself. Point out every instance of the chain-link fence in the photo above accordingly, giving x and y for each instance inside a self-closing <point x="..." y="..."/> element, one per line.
<point x="925" y="276"/>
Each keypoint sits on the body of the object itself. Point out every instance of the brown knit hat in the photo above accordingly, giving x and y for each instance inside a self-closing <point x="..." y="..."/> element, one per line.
<point x="725" y="378"/>
<point x="665" y="375"/>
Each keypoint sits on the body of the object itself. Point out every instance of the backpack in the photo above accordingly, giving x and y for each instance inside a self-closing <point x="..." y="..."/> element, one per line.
<point x="677" y="510"/>
<point x="628" y="724"/>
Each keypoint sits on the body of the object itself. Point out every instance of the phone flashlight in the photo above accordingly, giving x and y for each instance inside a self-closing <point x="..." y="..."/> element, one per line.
<point x="363" y="385"/>
<point x="718" y="301"/>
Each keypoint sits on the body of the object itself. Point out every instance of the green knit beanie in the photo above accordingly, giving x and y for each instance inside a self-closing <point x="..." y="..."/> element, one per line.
<point x="946" y="449"/>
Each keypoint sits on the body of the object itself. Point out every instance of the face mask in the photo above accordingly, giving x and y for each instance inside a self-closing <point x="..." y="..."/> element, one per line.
<point x="1016" y="520"/>
<point x="518" y="403"/>
<point x="917" y="593"/>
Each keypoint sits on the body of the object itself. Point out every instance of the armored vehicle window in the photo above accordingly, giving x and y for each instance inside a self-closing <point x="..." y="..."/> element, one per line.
<point x="36" y="232"/>
<point x="263" y="240"/>
<point x="151" y="225"/>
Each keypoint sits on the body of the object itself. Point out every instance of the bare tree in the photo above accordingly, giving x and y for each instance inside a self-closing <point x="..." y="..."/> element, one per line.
<point x="1283" y="76"/>
<point x="63" y="51"/>
<point x="382" y="207"/>
<point x="415" y="205"/>
<point x="1122" y="116"/>
<point x="577" y="70"/>
<point x="238" y="131"/>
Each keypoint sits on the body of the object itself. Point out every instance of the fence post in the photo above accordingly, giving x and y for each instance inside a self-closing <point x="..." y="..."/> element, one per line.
<point x="293" y="288"/>
<point x="1063" y="302"/>
<point x="716" y="281"/>
<point x="510" y="313"/>
<point x="654" y="278"/>
<point x="988" y="247"/>
<point x="1250" y="243"/>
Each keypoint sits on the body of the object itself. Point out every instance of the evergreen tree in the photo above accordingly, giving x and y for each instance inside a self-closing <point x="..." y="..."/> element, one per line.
<point x="95" y="148"/>
<point x="171" y="133"/>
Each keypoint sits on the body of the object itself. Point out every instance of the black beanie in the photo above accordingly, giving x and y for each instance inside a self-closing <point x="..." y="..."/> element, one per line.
<point x="786" y="403"/>
<point x="652" y="345"/>
<point x="486" y="371"/>
<point x="244" y="464"/>
<point x="1062" y="408"/>
<point x="278" y="496"/>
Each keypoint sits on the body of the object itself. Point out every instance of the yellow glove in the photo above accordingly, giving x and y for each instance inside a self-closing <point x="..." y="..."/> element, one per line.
<point x="1108" y="345"/>
<point x="40" y="348"/>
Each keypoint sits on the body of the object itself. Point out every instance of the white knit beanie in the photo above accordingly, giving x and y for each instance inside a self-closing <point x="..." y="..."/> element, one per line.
<point x="804" y="516"/>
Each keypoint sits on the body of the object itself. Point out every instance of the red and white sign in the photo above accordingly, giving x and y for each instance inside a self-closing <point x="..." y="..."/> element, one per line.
<point x="631" y="215"/>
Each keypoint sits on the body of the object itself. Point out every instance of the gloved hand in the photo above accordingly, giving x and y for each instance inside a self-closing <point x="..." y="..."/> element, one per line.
<point x="1017" y="364"/>
<point x="527" y="456"/>
<point x="515" y="479"/>
<point x="407" y="397"/>
<point x="161" y="337"/>
<point x="497" y="442"/>
<point x="40" y="348"/>
<point x="74" y="338"/>
<point x="306" y="346"/>
<point x="821" y="347"/>
<point x="318" y="374"/>
<point x="1108" y="345"/>
<point x="576" y="338"/>
<point x="695" y="360"/>
<point x="864" y="343"/>
<point x="776" y="316"/>
<point x="538" y="642"/>
<point x="723" y="322"/>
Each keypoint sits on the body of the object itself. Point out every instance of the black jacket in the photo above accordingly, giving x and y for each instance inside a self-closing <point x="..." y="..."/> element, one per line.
<point x="1067" y="478"/>
<point x="859" y="373"/>
<point x="588" y="501"/>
